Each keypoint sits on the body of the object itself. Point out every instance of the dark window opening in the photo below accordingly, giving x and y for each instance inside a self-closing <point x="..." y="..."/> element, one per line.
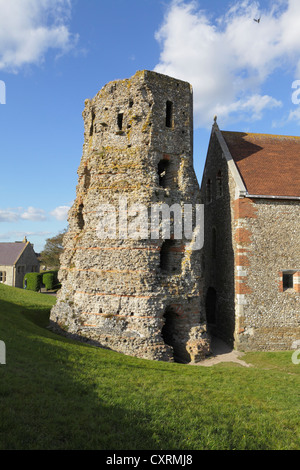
<point x="211" y="306"/>
<point x="2" y="276"/>
<point x="168" y="328"/>
<point x="172" y="333"/>
<point x="162" y="172"/>
<point x="219" y="181"/>
<point x="80" y="219"/>
<point x="130" y="103"/>
<point x="92" y="123"/>
<point x="120" y="121"/>
<point x="287" y="281"/>
<point x="87" y="178"/>
<point x="169" y="113"/>
<point x="208" y="191"/>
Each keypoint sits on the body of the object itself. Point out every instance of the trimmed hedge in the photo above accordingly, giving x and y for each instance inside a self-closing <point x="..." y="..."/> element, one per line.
<point x="49" y="279"/>
<point x="33" y="281"/>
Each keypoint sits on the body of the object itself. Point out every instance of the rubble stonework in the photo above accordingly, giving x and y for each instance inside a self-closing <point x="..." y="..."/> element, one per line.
<point x="252" y="239"/>
<point x="143" y="296"/>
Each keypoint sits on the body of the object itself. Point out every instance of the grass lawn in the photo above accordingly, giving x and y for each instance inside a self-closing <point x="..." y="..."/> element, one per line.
<point x="59" y="394"/>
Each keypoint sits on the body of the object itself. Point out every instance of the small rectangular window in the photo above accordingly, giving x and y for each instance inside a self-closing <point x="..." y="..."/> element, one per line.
<point x="169" y="113"/>
<point x="2" y="276"/>
<point x="162" y="172"/>
<point x="120" y="121"/>
<point x="287" y="281"/>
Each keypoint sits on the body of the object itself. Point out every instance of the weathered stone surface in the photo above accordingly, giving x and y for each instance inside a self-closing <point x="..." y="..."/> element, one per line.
<point x="249" y="243"/>
<point x="140" y="296"/>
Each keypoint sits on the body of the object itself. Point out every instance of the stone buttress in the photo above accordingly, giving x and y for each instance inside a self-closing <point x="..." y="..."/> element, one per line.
<point x="138" y="295"/>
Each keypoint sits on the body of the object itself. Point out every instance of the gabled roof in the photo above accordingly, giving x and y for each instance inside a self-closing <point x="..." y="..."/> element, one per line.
<point x="10" y="253"/>
<point x="268" y="164"/>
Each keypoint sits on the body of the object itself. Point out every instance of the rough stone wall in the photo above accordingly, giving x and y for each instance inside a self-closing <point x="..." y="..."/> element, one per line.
<point x="218" y="251"/>
<point x="267" y="244"/>
<point x="256" y="241"/>
<point x="138" y="296"/>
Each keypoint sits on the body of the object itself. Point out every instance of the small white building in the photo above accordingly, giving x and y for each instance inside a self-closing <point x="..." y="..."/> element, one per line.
<point x="16" y="260"/>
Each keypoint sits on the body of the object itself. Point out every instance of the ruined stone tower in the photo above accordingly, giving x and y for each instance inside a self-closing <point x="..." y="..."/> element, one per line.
<point x="138" y="294"/>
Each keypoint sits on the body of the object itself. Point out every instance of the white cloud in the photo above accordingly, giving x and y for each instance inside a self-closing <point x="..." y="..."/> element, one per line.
<point x="61" y="212"/>
<point x="8" y="216"/>
<point x="34" y="214"/>
<point x="294" y="115"/>
<point x="29" y="28"/>
<point x="228" y="61"/>
<point x="18" y="235"/>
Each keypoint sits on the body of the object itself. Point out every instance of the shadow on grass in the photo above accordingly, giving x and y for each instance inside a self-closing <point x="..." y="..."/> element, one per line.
<point x="56" y="394"/>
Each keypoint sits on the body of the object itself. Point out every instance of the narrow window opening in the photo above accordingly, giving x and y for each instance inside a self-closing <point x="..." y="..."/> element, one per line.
<point x="130" y="103"/>
<point x="120" y="121"/>
<point x="219" y="181"/>
<point x="208" y="191"/>
<point x="2" y="276"/>
<point x="169" y="113"/>
<point x="80" y="219"/>
<point x="92" y="123"/>
<point x="287" y="281"/>
<point x="87" y="178"/>
<point x="162" y="172"/>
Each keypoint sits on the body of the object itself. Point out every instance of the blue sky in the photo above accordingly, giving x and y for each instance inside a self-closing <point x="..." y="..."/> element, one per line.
<point x="56" y="53"/>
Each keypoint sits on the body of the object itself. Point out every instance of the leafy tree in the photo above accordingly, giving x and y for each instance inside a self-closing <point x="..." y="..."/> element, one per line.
<point x="53" y="248"/>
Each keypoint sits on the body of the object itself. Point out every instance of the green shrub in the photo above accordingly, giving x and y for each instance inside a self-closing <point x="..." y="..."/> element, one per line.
<point x="32" y="281"/>
<point x="49" y="279"/>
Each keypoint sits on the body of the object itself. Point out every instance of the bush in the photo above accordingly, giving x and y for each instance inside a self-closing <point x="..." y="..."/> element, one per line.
<point x="32" y="281"/>
<point x="50" y="279"/>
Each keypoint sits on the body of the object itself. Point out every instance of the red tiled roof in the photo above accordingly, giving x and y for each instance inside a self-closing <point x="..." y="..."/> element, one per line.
<point x="268" y="164"/>
<point x="10" y="253"/>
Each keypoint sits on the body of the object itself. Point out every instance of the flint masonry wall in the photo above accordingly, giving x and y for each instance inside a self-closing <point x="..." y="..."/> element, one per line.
<point x="267" y="245"/>
<point x="249" y="245"/>
<point x="138" y="296"/>
<point x="218" y="252"/>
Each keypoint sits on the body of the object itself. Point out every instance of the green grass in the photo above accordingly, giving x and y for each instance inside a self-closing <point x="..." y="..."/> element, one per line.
<point x="59" y="394"/>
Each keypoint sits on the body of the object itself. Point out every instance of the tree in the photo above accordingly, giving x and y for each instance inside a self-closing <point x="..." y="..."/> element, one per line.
<point x="53" y="248"/>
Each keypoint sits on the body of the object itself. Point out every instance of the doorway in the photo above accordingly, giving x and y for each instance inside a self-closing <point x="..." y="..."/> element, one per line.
<point x="211" y="305"/>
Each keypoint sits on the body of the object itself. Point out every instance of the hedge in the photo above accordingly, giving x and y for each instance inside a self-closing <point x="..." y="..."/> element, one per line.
<point x="33" y="281"/>
<point x="49" y="279"/>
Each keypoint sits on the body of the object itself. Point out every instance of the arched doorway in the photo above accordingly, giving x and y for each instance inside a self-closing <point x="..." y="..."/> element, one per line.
<point x="172" y="334"/>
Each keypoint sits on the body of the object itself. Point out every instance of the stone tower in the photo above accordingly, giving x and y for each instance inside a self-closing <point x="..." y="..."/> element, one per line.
<point x="124" y="287"/>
